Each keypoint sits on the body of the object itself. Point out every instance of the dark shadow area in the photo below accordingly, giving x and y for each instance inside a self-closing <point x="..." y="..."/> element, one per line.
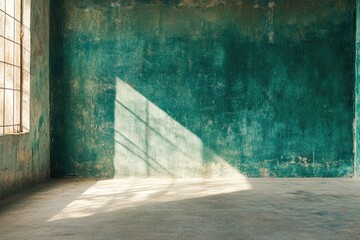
<point x="57" y="116"/>
<point x="82" y="102"/>
<point x="44" y="192"/>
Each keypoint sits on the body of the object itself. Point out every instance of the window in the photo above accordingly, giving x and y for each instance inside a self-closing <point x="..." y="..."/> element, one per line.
<point x="14" y="66"/>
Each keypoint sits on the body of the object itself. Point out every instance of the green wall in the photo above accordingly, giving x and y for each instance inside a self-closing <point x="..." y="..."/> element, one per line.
<point x="25" y="158"/>
<point x="194" y="88"/>
<point x="357" y="94"/>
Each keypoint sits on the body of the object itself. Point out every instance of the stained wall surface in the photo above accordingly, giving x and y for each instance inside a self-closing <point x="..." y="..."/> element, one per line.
<point x="191" y="87"/>
<point x="25" y="158"/>
<point x="357" y="94"/>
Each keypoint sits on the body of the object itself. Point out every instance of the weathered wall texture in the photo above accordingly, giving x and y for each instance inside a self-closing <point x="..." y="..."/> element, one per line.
<point x="357" y="94"/>
<point x="263" y="86"/>
<point x="25" y="158"/>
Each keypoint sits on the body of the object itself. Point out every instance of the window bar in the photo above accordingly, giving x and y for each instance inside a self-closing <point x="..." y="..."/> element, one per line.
<point x="13" y="69"/>
<point x="21" y="62"/>
<point x="4" y="112"/>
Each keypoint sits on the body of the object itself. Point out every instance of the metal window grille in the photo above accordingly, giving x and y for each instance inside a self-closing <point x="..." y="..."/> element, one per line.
<point x="14" y="66"/>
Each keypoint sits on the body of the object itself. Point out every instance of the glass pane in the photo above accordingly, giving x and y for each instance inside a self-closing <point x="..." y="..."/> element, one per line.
<point x="2" y="5"/>
<point x="9" y="52"/>
<point x="9" y="76"/>
<point x="26" y="13"/>
<point x="9" y="28"/>
<point x="2" y="24"/>
<point x="17" y="82"/>
<point x="9" y="107"/>
<point x="18" y="9"/>
<point x="17" y="32"/>
<point x="10" y="7"/>
<point x="2" y="75"/>
<point x="27" y="39"/>
<point x="26" y="82"/>
<point x="17" y="55"/>
<point x="2" y="92"/>
<point x="17" y="108"/>
<point x="2" y="49"/>
<point x="26" y="111"/>
<point x="26" y="60"/>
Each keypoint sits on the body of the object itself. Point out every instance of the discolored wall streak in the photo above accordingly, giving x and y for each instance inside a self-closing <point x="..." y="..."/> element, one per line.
<point x="265" y="85"/>
<point x="357" y="95"/>
<point x="25" y="158"/>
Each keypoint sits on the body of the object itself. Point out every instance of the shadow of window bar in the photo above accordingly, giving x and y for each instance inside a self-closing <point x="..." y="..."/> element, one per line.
<point x="14" y="68"/>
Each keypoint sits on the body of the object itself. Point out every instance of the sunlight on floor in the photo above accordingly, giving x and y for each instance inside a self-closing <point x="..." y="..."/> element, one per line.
<point x="112" y="195"/>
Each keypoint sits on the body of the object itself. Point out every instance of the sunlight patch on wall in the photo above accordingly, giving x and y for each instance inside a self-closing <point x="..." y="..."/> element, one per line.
<point x="149" y="142"/>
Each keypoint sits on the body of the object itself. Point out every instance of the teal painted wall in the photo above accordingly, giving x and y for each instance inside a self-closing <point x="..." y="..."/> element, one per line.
<point x="195" y="87"/>
<point x="25" y="158"/>
<point x="357" y="94"/>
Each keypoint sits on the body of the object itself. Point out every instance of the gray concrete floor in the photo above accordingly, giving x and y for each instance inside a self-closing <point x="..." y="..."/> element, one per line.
<point x="217" y="208"/>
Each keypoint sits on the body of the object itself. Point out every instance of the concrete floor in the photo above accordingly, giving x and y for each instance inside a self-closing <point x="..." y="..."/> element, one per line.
<point x="233" y="208"/>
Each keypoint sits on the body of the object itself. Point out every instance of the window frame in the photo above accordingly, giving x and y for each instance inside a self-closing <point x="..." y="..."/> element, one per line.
<point x="20" y="45"/>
